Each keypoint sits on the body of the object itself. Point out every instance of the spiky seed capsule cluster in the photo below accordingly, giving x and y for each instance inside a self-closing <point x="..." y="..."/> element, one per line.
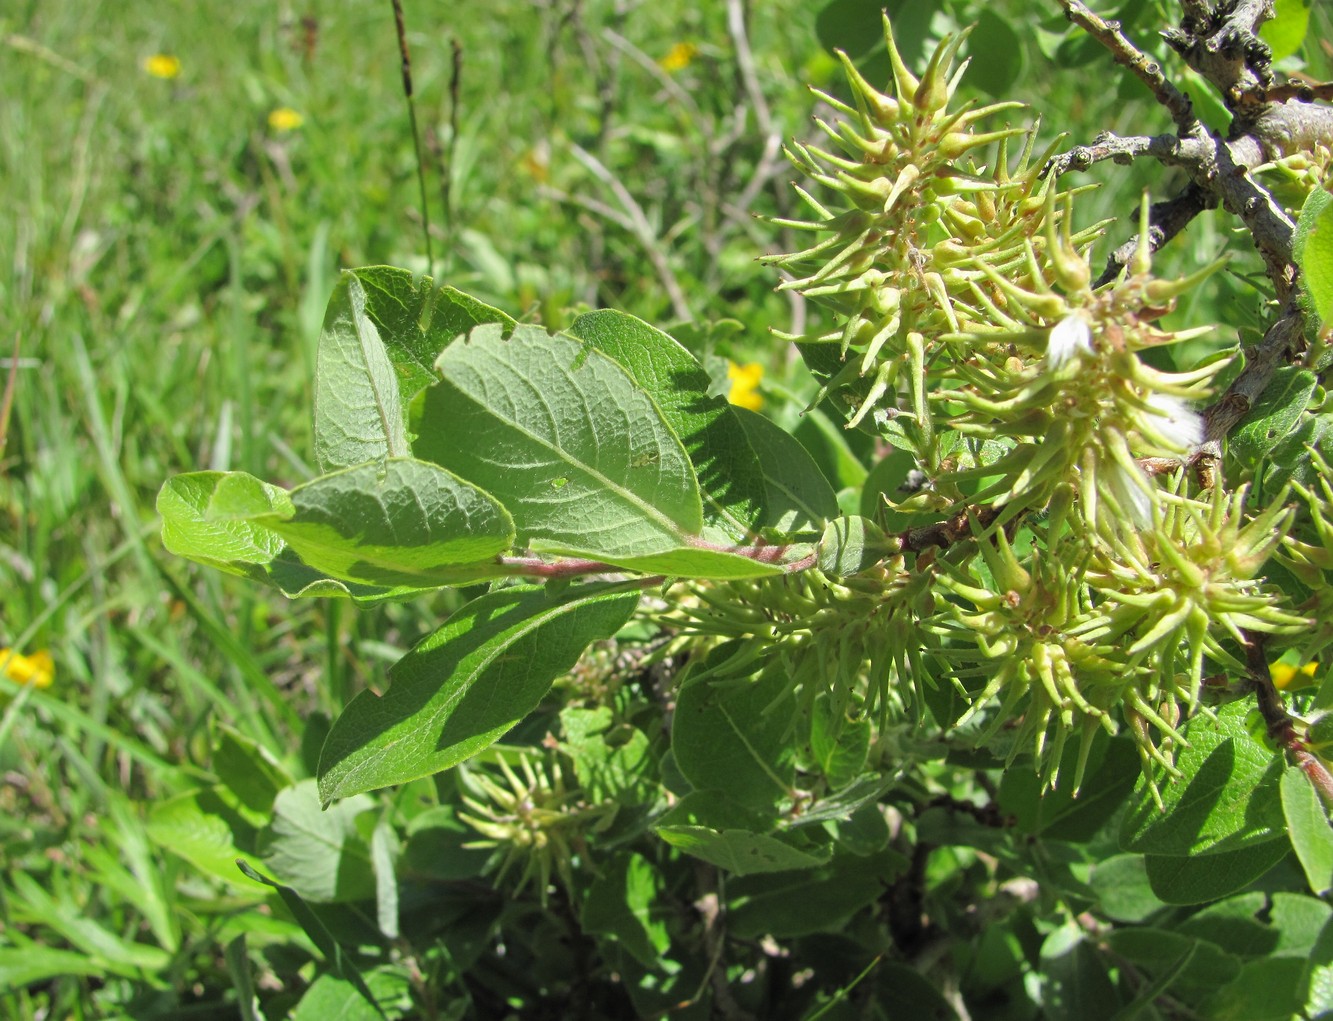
<point x="855" y="639"/>
<point x="918" y="231"/>
<point x="971" y="335"/>
<point x="530" y="818"/>
<point x="1132" y="628"/>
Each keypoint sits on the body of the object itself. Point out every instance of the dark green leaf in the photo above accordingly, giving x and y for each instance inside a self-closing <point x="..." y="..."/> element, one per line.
<point x="338" y="959"/>
<point x="732" y="736"/>
<point x="626" y="901"/>
<point x="416" y="321"/>
<point x="708" y="825"/>
<point x="462" y="687"/>
<point x="996" y="52"/>
<point x="729" y="475"/>
<point x="1268" y="989"/>
<point x="1156" y="950"/>
<point x="791" y="904"/>
<point x="1123" y="891"/>
<point x="1273" y="416"/>
<point x="1212" y="876"/>
<point x="1227" y="798"/>
<point x="1076" y="985"/>
<point x="799" y="498"/>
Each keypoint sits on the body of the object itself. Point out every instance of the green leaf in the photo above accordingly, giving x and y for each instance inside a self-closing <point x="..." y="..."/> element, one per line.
<point x="338" y="959"/>
<point x="458" y="690"/>
<point x="613" y="762"/>
<point x="318" y="853"/>
<point x="31" y="963"/>
<point x="331" y="998"/>
<point x="1226" y="799"/>
<point x="222" y="535"/>
<point x="1157" y="950"/>
<point x="725" y="464"/>
<point x="799" y="498"/>
<point x="732" y="736"/>
<point x="235" y="546"/>
<point x="626" y="901"/>
<point x="792" y="904"/>
<point x="838" y="745"/>
<point x="201" y="828"/>
<point x="1285" y="32"/>
<point x="437" y="847"/>
<point x="358" y="404"/>
<point x="395" y="522"/>
<point x="574" y="449"/>
<point x="1268" y="989"/>
<point x="710" y="826"/>
<point x="1308" y="827"/>
<point x="1318" y="977"/>
<point x="416" y="321"/>
<point x="1123" y="891"/>
<point x="1212" y="876"/>
<point x="1273" y="416"/>
<point x="1076" y="985"/>
<point x="1313" y="250"/>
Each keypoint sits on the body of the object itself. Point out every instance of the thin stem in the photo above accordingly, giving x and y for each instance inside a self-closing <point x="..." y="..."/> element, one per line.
<point x="416" y="134"/>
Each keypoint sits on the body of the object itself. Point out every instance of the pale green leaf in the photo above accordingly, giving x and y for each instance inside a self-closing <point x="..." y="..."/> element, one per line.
<point x="397" y="522"/>
<point x="566" y="440"/>
<point x="1313" y="249"/>
<point x="1307" y="825"/>
<point x="358" y="404"/>
<point x="318" y="852"/>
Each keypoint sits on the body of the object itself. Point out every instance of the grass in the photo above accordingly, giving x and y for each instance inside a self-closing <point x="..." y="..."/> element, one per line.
<point x="168" y="257"/>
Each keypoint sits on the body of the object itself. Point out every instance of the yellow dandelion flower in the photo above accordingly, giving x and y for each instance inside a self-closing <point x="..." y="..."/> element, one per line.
<point x="37" y="669"/>
<point x="678" y="58"/>
<point x="1287" y="677"/>
<point x="745" y="385"/>
<point x="162" y="65"/>
<point x="284" y="118"/>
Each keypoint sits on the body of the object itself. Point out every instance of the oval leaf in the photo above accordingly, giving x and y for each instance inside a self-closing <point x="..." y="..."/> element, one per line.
<point x="566" y="440"/>
<point x="724" y="462"/>
<point x="401" y="521"/>
<point x="463" y="686"/>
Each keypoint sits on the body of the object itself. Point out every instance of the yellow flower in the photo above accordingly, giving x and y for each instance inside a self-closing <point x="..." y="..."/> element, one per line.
<point x="284" y="118"/>
<point x="37" y="669"/>
<point x="745" y="385"/>
<point x="162" y="65"/>
<point x="1287" y="677"/>
<point x="678" y="57"/>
